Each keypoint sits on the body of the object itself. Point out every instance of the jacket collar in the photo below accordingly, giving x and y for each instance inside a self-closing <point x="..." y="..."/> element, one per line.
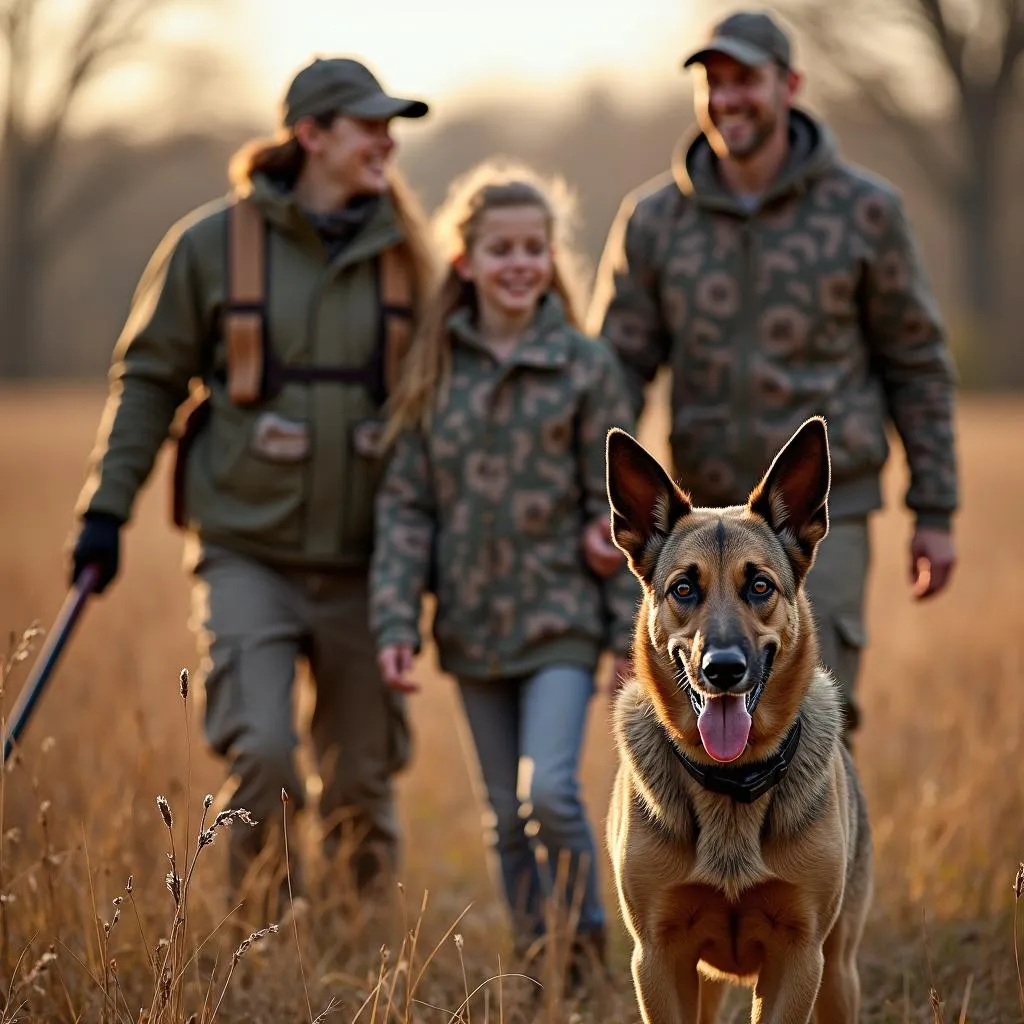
<point x="813" y="152"/>
<point x="546" y="344"/>
<point x="279" y="206"/>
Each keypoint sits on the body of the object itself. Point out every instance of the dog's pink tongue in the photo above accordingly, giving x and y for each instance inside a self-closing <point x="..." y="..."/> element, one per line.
<point x="724" y="726"/>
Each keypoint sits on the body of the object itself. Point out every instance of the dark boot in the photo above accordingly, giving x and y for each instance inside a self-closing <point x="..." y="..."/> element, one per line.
<point x="258" y="873"/>
<point x="588" y="964"/>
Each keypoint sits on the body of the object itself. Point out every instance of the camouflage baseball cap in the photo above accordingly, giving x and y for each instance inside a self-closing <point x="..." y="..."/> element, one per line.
<point x="343" y="86"/>
<point x="750" y="37"/>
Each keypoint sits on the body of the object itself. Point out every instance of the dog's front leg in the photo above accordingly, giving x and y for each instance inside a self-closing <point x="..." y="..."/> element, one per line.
<point x="787" y="985"/>
<point x="667" y="984"/>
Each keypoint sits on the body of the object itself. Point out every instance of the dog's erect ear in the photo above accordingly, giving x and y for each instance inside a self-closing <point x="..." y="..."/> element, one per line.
<point x="793" y="496"/>
<point x="645" y="503"/>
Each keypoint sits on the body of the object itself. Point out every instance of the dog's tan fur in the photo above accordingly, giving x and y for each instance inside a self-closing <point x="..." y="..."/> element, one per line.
<point x="774" y="893"/>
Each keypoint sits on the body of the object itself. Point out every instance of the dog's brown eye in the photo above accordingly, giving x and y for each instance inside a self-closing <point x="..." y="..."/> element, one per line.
<point x="683" y="589"/>
<point x="761" y="587"/>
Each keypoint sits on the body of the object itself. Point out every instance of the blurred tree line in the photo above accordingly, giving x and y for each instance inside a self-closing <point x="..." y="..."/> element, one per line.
<point x="80" y="216"/>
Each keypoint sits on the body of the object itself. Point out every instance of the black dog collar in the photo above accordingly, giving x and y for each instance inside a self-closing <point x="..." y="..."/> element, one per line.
<point x="744" y="783"/>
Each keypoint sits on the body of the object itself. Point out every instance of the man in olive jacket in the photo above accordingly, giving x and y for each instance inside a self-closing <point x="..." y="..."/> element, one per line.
<point x="778" y="281"/>
<point x="277" y="492"/>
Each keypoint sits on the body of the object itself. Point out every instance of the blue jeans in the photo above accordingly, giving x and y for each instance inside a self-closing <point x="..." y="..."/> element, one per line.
<point x="528" y="733"/>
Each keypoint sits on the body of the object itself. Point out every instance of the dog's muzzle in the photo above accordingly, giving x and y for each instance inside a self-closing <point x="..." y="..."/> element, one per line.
<point x="724" y="669"/>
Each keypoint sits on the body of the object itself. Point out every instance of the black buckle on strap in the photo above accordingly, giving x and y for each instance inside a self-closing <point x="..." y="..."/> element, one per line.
<point x="744" y="783"/>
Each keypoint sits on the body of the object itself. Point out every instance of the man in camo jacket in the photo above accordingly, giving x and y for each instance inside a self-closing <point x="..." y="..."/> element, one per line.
<point x="778" y="281"/>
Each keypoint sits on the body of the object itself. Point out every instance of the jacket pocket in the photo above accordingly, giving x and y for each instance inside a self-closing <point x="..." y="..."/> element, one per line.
<point x="234" y="489"/>
<point x="241" y="463"/>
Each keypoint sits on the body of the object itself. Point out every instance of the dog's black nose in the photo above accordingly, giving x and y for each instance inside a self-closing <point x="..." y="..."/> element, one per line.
<point x="723" y="667"/>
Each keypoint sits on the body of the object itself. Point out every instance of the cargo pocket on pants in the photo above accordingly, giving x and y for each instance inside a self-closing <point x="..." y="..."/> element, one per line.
<point x="399" y="733"/>
<point x="221" y="698"/>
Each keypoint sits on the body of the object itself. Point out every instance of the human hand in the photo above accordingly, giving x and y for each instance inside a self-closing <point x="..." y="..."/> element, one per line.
<point x="395" y="663"/>
<point x="599" y="552"/>
<point x="98" y="543"/>
<point x="932" y="558"/>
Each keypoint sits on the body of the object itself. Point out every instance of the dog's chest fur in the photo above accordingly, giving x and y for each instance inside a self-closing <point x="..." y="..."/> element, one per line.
<point x="728" y="839"/>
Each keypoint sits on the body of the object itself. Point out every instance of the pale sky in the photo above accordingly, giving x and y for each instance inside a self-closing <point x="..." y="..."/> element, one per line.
<point x="448" y="52"/>
<point x="450" y="46"/>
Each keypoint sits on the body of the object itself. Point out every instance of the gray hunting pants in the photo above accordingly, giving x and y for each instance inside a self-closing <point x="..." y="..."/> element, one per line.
<point x="836" y="586"/>
<point x="253" y="623"/>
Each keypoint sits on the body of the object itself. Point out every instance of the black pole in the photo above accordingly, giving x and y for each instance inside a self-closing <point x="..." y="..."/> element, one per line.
<point x="49" y="655"/>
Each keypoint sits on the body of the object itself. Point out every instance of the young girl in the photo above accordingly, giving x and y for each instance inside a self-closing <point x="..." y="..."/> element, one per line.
<point x="498" y="467"/>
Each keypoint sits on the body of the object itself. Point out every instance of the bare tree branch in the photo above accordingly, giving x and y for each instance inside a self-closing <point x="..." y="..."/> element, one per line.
<point x="1013" y="46"/>
<point x="873" y="86"/>
<point x="17" y="25"/>
<point x="950" y="43"/>
<point x="15" y="14"/>
<point x="100" y="40"/>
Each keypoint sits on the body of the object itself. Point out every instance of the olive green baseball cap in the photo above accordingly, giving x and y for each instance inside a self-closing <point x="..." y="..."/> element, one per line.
<point x="340" y="85"/>
<point x="750" y="37"/>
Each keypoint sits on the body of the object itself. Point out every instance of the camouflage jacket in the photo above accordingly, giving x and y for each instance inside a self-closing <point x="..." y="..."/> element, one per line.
<point x="814" y="300"/>
<point x="311" y="507"/>
<point x="492" y="502"/>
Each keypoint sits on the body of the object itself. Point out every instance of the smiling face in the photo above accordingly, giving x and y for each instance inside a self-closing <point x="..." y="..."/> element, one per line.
<point x="509" y="260"/>
<point x="740" y="108"/>
<point x="731" y="645"/>
<point x="352" y="153"/>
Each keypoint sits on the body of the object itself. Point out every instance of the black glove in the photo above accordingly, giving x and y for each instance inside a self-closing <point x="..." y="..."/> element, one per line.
<point x="99" y="543"/>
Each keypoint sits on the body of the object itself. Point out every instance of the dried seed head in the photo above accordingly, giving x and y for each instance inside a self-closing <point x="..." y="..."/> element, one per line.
<point x="165" y="811"/>
<point x="208" y="801"/>
<point x="183" y="683"/>
<point x="284" y="795"/>
<point x="131" y="883"/>
<point x="117" y="901"/>
<point x="1018" y="882"/>
<point x="256" y="936"/>
<point x="460" y="943"/>
<point x="230" y="816"/>
<point x="39" y="967"/>
<point x="173" y="883"/>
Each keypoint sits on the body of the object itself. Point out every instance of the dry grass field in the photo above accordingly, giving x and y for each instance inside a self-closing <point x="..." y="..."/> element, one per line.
<point x="943" y="693"/>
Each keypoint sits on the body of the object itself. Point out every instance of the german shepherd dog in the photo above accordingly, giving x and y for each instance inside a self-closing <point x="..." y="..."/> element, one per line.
<point x="737" y="830"/>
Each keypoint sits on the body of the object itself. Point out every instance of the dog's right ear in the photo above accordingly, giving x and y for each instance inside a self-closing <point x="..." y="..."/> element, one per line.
<point x="645" y="503"/>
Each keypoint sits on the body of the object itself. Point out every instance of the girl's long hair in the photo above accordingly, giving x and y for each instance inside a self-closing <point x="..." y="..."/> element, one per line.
<point x="491" y="185"/>
<point x="282" y="158"/>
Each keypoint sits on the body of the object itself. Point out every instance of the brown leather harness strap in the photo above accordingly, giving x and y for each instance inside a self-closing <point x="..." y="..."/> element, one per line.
<point x="244" y="309"/>
<point x="397" y="309"/>
<point x="251" y="367"/>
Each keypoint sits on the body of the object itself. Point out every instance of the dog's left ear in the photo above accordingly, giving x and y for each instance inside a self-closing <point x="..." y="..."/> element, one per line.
<point x="793" y="495"/>
<point x="645" y="503"/>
